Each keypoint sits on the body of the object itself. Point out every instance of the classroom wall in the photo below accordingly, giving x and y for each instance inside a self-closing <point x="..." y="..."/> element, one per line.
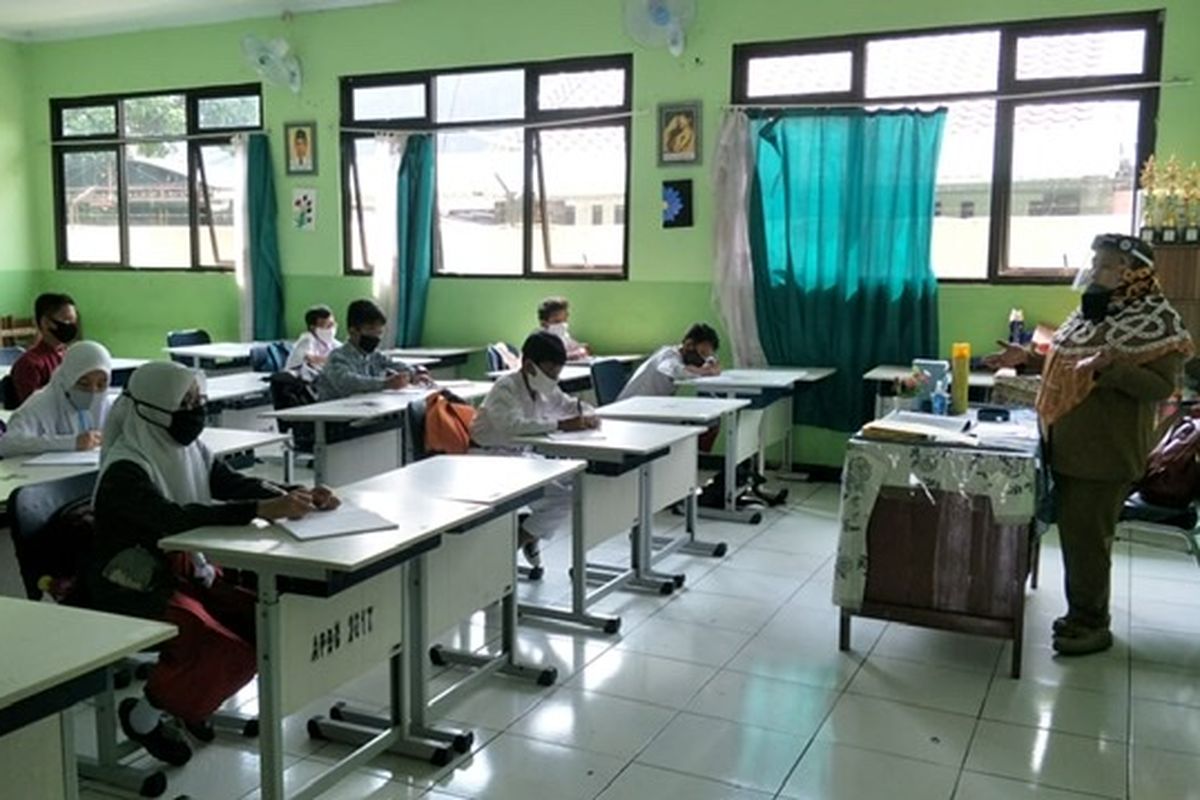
<point x="17" y="261"/>
<point x="670" y="271"/>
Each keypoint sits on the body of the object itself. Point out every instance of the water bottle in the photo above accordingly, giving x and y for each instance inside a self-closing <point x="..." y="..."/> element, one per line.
<point x="940" y="399"/>
<point x="1016" y="326"/>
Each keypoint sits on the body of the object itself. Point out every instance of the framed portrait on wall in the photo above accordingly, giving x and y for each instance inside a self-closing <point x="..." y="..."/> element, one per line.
<point x="301" y="140"/>
<point x="679" y="133"/>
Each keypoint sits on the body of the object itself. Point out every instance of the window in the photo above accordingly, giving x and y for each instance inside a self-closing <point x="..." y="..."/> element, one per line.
<point x="1046" y="124"/>
<point x="147" y="181"/>
<point x="532" y="165"/>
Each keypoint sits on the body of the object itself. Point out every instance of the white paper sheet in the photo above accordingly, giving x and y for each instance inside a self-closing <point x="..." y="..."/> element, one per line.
<point x="66" y="458"/>
<point x="343" y="521"/>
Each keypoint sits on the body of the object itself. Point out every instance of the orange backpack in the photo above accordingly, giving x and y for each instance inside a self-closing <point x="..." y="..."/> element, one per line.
<point x="447" y="424"/>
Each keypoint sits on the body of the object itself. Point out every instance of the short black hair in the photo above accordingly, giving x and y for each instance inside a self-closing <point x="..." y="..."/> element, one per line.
<point x="543" y="347"/>
<point x="363" y="312"/>
<point x="48" y="303"/>
<point x="551" y="306"/>
<point x="702" y="332"/>
<point x="316" y="314"/>
<point x="300" y="134"/>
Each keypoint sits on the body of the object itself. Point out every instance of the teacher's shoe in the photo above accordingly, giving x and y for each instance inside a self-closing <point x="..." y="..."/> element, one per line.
<point x="1079" y="641"/>
<point x="164" y="742"/>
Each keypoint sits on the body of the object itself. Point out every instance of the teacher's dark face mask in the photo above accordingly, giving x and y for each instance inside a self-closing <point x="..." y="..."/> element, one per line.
<point x="368" y="343"/>
<point x="1094" y="303"/>
<point x="65" y="332"/>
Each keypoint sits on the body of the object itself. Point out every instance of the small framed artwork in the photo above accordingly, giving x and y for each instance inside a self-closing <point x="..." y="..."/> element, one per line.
<point x="304" y="209"/>
<point x="679" y="133"/>
<point x="677" y="204"/>
<point x="301" y="139"/>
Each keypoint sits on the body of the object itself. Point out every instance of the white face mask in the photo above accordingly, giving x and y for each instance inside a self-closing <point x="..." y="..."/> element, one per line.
<point x="327" y="335"/>
<point x="540" y="382"/>
<point x="559" y="329"/>
<point x="82" y="399"/>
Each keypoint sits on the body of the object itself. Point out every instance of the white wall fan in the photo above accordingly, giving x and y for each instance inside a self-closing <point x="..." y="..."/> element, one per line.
<point x="660" y="23"/>
<point x="273" y="61"/>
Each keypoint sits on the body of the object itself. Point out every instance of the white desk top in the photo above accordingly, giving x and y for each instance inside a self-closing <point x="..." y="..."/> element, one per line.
<point x="435" y="353"/>
<point x="128" y="363"/>
<point x="5" y="369"/>
<point x="614" y="440"/>
<point x="14" y="473"/>
<point x="624" y="358"/>
<point x="351" y="409"/>
<point x="261" y="546"/>
<point x="886" y="373"/>
<point x="47" y="644"/>
<point x="235" y="385"/>
<point x="570" y="372"/>
<point x="672" y="410"/>
<point x="214" y="350"/>
<point x="484" y="479"/>
<point x="467" y="390"/>
<point x="764" y="378"/>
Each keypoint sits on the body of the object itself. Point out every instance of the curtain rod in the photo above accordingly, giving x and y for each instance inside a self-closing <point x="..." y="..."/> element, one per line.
<point x="884" y="101"/>
<point x="486" y="126"/>
<point x="158" y="139"/>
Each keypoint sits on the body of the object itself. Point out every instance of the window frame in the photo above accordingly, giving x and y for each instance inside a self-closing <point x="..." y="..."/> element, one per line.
<point x="1073" y="89"/>
<point x="194" y="138"/>
<point x="532" y="121"/>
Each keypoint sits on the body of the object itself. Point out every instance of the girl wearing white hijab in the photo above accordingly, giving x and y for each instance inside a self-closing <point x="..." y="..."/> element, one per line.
<point x="68" y="413"/>
<point x="156" y="480"/>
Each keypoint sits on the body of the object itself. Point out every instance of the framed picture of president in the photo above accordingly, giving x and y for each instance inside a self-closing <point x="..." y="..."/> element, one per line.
<point x="679" y="133"/>
<point x="301" y="140"/>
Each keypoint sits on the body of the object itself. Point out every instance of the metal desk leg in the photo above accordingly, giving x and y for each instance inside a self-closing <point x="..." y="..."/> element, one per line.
<point x="641" y="551"/>
<point x="320" y="453"/>
<point x="289" y="463"/>
<point x="270" y="697"/>
<point x="66" y="730"/>
<point x="730" y="512"/>
<point x="785" y="471"/>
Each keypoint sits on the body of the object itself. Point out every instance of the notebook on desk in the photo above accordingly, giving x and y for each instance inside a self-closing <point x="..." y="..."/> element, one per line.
<point x="342" y="521"/>
<point x="66" y="458"/>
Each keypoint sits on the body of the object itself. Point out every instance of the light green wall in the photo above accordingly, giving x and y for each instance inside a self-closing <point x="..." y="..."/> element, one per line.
<point x="16" y="230"/>
<point x="669" y="274"/>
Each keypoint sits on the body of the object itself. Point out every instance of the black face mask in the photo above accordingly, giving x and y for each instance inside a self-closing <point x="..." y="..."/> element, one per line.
<point x="1094" y="304"/>
<point x="692" y="358"/>
<point x="65" y="332"/>
<point x="368" y="343"/>
<point x="186" y="423"/>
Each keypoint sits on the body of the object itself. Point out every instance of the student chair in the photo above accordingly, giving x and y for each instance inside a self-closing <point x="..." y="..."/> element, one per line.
<point x="9" y="355"/>
<point x="289" y="390"/>
<point x="187" y="338"/>
<point x="497" y="359"/>
<point x="37" y="512"/>
<point x="271" y="357"/>
<point x="1155" y="526"/>
<point x="8" y="394"/>
<point x="609" y="377"/>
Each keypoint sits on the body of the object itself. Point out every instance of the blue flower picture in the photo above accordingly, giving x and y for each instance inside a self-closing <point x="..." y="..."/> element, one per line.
<point x="677" y="204"/>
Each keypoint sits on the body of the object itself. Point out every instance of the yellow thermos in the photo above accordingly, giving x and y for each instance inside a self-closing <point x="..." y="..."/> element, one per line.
<point x="960" y="374"/>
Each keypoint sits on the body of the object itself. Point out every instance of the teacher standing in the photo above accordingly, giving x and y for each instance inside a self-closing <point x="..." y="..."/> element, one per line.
<point x="1109" y="366"/>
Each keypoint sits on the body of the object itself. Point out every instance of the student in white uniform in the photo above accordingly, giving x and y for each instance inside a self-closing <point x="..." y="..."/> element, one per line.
<point x="694" y="357"/>
<point x="312" y="349"/>
<point x="529" y="402"/>
<point x="68" y="413"/>
<point x="554" y="315"/>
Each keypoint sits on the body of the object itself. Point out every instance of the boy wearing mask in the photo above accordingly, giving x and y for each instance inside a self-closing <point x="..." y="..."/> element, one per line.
<point x="553" y="316"/>
<point x="57" y="322"/>
<point x="357" y="367"/>
<point x="314" y="346"/>
<point x="695" y="357"/>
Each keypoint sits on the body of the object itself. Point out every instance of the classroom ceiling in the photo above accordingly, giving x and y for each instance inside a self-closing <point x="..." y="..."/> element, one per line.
<point x="69" y="19"/>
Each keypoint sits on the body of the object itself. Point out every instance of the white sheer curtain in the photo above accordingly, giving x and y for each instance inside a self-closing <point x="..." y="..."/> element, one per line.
<point x="241" y="244"/>
<point x="382" y="172"/>
<point x="733" y="273"/>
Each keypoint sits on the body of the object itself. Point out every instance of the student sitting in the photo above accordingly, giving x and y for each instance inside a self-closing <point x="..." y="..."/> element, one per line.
<point x="553" y="316"/>
<point x="695" y="357"/>
<point x="357" y="367"/>
<point x="68" y="413"/>
<point x="156" y="480"/>
<point x="58" y="325"/>
<point x="312" y="349"/>
<point x="529" y="402"/>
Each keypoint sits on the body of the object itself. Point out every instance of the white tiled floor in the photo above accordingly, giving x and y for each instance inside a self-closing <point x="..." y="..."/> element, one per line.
<point x="734" y="690"/>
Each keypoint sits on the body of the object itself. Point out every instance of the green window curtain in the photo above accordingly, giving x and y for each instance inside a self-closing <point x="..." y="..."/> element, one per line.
<point x="415" y="185"/>
<point x="841" y="217"/>
<point x="262" y="246"/>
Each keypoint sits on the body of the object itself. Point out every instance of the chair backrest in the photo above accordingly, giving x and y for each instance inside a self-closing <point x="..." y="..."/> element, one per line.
<point x="270" y="357"/>
<point x="502" y="356"/>
<point x="32" y="509"/>
<point x="187" y="338"/>
<point x="8" y="393"/>
<point x="9" y="355"/>
<point x="609" y="377"/>
<point x="289" y="390"/>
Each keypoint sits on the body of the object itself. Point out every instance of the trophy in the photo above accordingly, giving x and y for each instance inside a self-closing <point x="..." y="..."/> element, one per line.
<point x="1150" y="205"/>
<point x="1172" y="179"/>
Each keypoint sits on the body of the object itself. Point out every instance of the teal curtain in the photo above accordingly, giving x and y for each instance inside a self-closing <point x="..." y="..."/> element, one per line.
<point x="262" y="241"/>
<point x="841" y="217"/>
<point x="415" y="186"/>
